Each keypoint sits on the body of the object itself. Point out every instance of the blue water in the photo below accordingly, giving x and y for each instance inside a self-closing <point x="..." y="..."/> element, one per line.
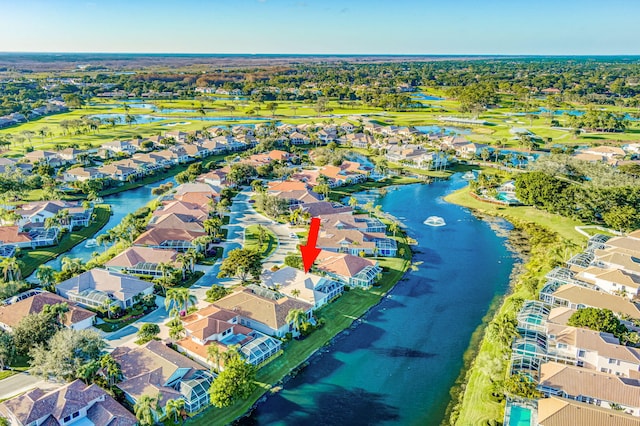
<point x="146" y="118"/>
<point x="424" y="97"/>
<point x="446" y="130"/>
<point x="520" y="416"/>
<point x="121" y="205"/>
<point x="398" y="365"/>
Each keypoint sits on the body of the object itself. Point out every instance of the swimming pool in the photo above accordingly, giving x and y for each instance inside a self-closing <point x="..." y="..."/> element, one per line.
<point x="233" y="339"/>
<point x="520" y="416"/>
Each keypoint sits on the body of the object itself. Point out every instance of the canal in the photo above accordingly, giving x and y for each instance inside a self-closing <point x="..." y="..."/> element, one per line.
<point x="398" y="364"/>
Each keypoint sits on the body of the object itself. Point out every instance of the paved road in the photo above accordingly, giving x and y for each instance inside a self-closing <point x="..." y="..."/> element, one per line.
<point x="22" y="382"/>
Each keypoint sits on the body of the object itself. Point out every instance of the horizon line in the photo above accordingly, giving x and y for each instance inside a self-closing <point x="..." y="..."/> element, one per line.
<point x="9" y="52"/>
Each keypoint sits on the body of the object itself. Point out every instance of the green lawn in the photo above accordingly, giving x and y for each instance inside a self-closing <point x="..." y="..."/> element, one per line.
<point x="338" y="315"/>
<point x="252" y="240"/>
<point x="34" y="258"/>
<point x="551" y="239"/>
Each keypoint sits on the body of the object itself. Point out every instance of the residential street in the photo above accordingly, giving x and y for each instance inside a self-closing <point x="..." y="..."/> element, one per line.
<point x="22" y="382"/>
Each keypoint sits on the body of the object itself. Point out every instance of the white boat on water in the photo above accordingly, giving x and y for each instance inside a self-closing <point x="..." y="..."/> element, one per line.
<point x="91" y="243"/>
<point x="434" y="221"/>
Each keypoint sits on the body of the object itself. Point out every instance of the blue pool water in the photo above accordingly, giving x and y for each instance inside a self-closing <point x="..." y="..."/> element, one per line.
<point x="423" y="97"/>
<point x="233" y="339"/>
<point x="520" y="416"/>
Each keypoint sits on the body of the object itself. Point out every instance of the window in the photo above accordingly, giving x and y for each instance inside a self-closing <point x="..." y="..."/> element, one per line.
<point x="66" y="419"/>
<point x="562" y="346"/>
<point x="76" y="414"/>
<point x="612" y="361"/>
<point x="581" y="353"/>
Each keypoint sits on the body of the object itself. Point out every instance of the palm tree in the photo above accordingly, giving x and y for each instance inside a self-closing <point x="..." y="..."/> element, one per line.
<point x="173" y="407"/>
<point x="175" y="296"/>
<point x="87" y="372"/>
<point x="46" y="275"/>
<point x="74" y="266"/>
<point x="147" y="408"/>
<point x="11" y="269"/>
<point x="393" y="227"/>
<point x="213" y="352"/>
<point x="295" y="292"/>
<point x="111" y="369"/>
<point x="296" y="317"/>
<point x="176" y="331"/>
<point x="353" y="202"/>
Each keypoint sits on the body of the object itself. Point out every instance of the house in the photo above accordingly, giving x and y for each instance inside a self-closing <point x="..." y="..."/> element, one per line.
<point x="321" y="208"/>
<point x="177" y="221"/>
<point x="360" y="222"/>
<point x="359" y="140"/>
<point x="120" y="147"/>
<point x="198" y="212"/>
<point x="310" y="288"/>
<point x="168" y="239"/>
<point x="13" y="236"/>
<point x="43" y="157"/>
<point x="354" y="271"/>
<point x="297" y="138"/>
<point x="355" y="242"/>
<point x="143" y="261"/>
<point x="73" y="403"/>
<point x="34" y="214"/>
<point x="155" y="368"/>
<point x="593" y="350"/>
<point x="591" y="387"/>
<point x="75" y="318"/>
<point x="550" y="91"/>
<point x="207" y="191"/>
<point x="82" y="174"/>
<point x="265" y="312"/>
<point x="612" y="281"/>
<point x="609" y="152"/>
<point x="118" y="172"/>
<point x="347" y="127"/>
<point x="576" y="297"/>
<point x="509" y="187"/>
<point x="220" y="327"/>
<point x="559" y="411"/>
<point x="216" y="178"/>
<point x="628" y="245"/>
<point x="99" y="288"/>
<point x="70" y="155"/>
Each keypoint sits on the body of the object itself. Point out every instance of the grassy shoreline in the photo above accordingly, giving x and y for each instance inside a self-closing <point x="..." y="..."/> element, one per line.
<point x="339" y="316"/>
<point x="545" y="240"/>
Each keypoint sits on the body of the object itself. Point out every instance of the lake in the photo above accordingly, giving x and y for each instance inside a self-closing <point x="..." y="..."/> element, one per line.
<point x="398" y="364"/>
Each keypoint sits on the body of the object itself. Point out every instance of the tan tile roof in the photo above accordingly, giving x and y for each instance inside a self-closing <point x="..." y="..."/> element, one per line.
<point x="620" y="277"/>
<point x="122" y="286"/>
<point x="181" y="207"/>
<point x="625" y="245"/>
<point x="156" y="236"/>
<point x="342" y="264"/>
<point x="62" y="402"/>
<point x="597" y="299"/>
<point x="199" y="198"/>
<point x="325" y="208"/>
<point x="622" y="260"/>
<point x="576" y="381"/>
<point x="269" y="312"/>
<point x="287" y="185"/>
<point x="564" y="412"/>
<point x="135" y="255"/>
<point x="334" y="238"/>
<point x="177" y="221"/>
<point x="12" y="314"/>
<point x="186" y="188"/>
<point x="603" y="343"/>
<point x="560" y="315"/>
<point x="289" y="279"/>
<point x="12" y="234"/>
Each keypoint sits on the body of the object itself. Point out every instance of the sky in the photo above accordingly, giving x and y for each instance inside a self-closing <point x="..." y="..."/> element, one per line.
<point x="507" y="27"/>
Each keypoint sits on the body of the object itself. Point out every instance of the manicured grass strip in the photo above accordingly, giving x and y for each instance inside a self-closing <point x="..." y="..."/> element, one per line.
<point x="550" y="238"/>
<point x="338" y="315"/>
<point x="252" y="240"/>
<point x="34" y="258"/>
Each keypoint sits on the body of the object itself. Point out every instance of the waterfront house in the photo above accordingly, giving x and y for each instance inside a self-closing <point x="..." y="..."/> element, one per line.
<point x="575" y="297"/>
<point x="197" y="211"/>
<point x="591" y="387"/>
<point x="75" y="318"/>
<point x="592" y="349"/>
<point x="155" y="368"/>
<point x="34" y="214"/>
<point x="124" y="147"/>
<point x="143" y="261"/>
<point x="360" y="222"/>
<point x="560" y="411"/>
<point x="325" y="208"/>
<point x="221" y="327"/>
<point x="354" y="271"/>
<point x="359" y="140"/>
<point x="73" y="403"/>
<point x="118" y="172"/>
<point x="82" y="174"/>
<point x="177" y="221"/>
<point x="169" y="239"/>
<point x="310" y="288"/>
<point x="98" y="288"/>
<point x="263" y="310"/>
<point x="43" y="157"/>
<point x="356" y="242"/>
<point x="215" y="177"/>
